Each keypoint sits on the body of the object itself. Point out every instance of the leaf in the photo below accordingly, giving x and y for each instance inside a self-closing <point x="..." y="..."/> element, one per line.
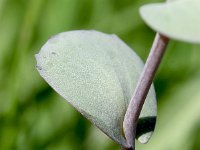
<point x="97" y="73"/>
<point x="177" y="19"/>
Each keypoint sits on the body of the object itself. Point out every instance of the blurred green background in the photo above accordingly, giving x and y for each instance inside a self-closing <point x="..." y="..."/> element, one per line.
<point x="34" y="117"/>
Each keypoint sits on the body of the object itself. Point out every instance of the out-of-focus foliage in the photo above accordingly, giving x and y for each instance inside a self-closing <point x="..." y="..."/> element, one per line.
<point x="33" y="116"/>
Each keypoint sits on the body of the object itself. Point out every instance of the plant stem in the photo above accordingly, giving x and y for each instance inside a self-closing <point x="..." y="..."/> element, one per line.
<point x="142" y="88"/>
<point x="127" y="148"/>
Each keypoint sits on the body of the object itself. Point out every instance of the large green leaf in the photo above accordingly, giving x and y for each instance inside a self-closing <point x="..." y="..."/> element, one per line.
<point x="177" y="19"/>
<point x="97" y="74"/>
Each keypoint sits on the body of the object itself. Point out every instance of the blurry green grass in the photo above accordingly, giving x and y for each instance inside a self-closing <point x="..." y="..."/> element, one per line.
<point x="33" y="116"/>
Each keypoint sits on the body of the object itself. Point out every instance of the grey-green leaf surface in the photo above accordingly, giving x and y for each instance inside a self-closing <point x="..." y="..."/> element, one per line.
<point x="97" y="73"/>
<point x="176" y="19"/>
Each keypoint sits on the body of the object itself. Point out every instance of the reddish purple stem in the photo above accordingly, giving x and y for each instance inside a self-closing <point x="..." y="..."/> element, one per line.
<point x="135" y="106"/>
